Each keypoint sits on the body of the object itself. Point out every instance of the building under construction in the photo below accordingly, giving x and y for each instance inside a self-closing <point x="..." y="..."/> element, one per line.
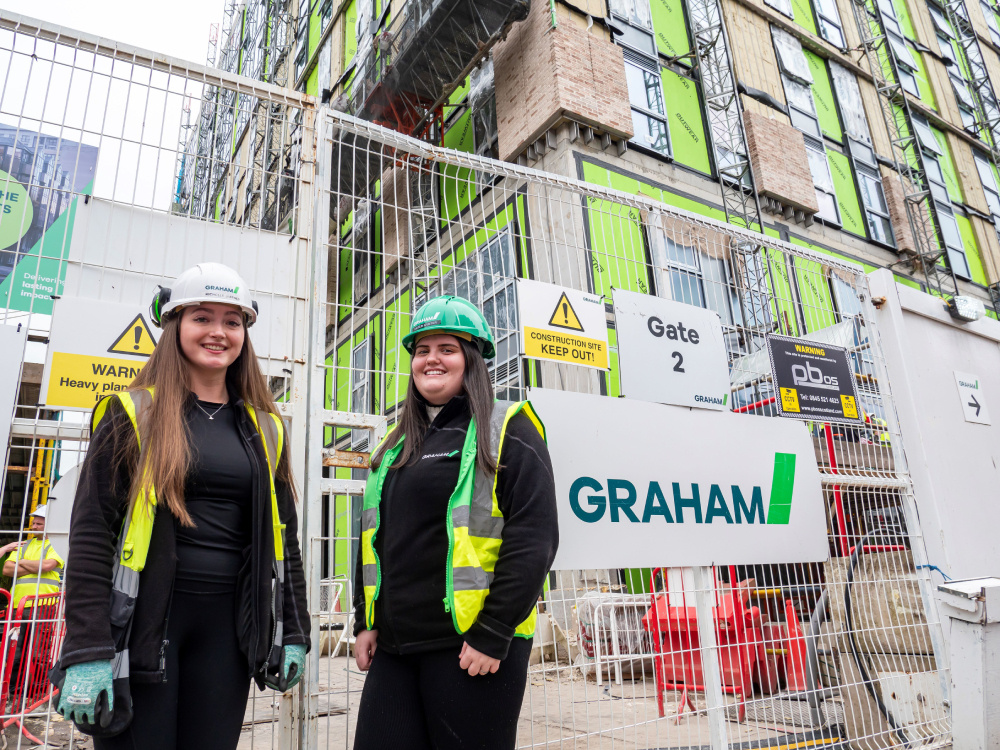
<point x="753" y="160"/>
<point x="864" y="131"/>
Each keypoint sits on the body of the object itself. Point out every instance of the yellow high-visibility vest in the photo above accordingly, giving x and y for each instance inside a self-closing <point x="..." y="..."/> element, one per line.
<point x="475" y="526"/>
<point x="40" y="584"/>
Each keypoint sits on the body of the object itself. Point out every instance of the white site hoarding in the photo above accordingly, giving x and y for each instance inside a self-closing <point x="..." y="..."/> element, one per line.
<point x="669" y="352"/>
<point x="642" y="485"/>
<point x="95" y="349"/>
<point x="562" y="324"/>
<point x="12" y="338"/>
<point x="111" y="236"/>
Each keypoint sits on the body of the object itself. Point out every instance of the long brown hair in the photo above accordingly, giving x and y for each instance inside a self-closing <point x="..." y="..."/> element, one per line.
<point x="166" y="452"/>
<point x="413" y="421"/>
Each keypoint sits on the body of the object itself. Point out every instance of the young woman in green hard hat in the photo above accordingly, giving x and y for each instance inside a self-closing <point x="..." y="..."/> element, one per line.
<point x="457" y="535"/>
<point x="204" y="590"/>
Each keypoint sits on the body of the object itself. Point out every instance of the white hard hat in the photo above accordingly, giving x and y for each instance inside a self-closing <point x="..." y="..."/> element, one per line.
<point x="41" y="511"/>
<point x="205" y="282"/>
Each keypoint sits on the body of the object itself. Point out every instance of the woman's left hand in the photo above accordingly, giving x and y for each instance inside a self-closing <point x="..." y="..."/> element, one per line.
<point x="476" y="662"/>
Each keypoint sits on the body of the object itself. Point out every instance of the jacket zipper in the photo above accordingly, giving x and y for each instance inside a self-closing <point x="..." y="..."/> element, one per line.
<point x="166" y="623"/>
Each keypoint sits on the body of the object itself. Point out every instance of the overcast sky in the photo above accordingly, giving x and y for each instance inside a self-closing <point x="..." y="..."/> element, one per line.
<point x="179" y="28"/>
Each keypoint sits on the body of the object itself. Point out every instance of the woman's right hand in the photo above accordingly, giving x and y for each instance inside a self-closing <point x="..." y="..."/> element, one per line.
<point x="364" y="648"/>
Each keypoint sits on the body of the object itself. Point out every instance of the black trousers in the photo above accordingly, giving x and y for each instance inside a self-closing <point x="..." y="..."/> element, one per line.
<point x="425" y="701"/>
<point x="201" y="704"/>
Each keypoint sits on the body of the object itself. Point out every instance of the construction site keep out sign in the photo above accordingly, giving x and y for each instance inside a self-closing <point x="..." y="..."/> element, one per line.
<point x="562" y="324"/>
<point x="95" y="349"/>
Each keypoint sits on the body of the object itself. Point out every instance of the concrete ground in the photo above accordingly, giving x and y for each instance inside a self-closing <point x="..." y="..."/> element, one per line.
<point x="561" y="709"/>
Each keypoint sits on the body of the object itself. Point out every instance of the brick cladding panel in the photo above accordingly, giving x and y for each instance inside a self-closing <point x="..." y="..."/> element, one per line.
<point x="897" y="209"/>
<point x="780" y="163"/>
<point x="543" y="74"/>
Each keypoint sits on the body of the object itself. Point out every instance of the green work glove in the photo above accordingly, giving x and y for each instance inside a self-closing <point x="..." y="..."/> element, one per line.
<point x="81" y="693"/>
<point x="295" y="662"/>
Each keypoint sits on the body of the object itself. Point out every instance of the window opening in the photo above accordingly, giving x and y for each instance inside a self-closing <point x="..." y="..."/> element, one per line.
<point x="862" y="154"/>
<point x="360" y="392"/>
<point x="487" y="279"/>
<point x="932" y="153"/>
<point x="797" y="79"/>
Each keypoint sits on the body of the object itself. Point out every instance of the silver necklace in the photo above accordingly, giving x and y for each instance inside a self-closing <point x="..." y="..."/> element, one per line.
<point x="212" y="415"/>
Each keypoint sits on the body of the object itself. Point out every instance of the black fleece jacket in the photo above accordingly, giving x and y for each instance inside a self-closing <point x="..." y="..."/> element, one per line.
<point x="412" y="540"/>
<point x="98" y="516"/>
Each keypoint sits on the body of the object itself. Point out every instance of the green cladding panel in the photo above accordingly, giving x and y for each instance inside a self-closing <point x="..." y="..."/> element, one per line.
<point x="687" y="125"/>
<point x="804" y="15"/>
<point x="822" y="91"/>
<point x="779" y="283"/>
<point x="923" y="85"/>
<point x="670" y="28"/>
<point x="814" y="295"/>
<point x="397" y="359"/>
<point x="350" y="32"/>
<point x="905" y="21"/>
<point x="948" y="167"/>
<point x="972" y="253"/>
<point x="457" y="186"/>
<point x="847" y="193"/>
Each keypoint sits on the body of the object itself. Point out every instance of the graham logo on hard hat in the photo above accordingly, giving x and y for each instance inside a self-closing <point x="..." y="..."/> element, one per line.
<point x="205" y="282"/>
<point x="453" y="315"/>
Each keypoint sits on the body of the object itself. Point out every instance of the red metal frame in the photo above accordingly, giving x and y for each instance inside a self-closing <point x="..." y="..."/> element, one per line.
<point x="679" y="665"/>
<point x="30" y="687"/>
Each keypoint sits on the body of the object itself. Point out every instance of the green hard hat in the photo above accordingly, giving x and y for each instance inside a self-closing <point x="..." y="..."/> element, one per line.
<point x="450" y="314"/>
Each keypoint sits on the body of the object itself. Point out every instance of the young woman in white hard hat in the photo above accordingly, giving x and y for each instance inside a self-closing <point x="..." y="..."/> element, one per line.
<point x="458" y="531"/>
<point x="184" y="562"/>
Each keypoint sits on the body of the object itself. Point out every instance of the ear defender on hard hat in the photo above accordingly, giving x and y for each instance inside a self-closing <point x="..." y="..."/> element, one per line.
<point x="160" y="298"/>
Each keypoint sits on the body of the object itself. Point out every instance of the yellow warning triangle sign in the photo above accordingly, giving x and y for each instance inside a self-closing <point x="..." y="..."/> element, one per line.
<point x="136" y="339"/>
<point x="564" y="316"/>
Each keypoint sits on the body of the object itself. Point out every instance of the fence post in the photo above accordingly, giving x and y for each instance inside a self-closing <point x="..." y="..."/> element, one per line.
<point x="704" y="601"/>
<point x="314" y="220"/>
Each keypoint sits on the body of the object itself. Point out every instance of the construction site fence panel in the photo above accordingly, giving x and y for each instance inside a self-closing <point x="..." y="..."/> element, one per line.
<point x="136" y="166"/>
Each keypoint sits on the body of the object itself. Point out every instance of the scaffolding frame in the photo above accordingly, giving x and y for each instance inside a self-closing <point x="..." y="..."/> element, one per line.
<point x="987" y="110"/>
<point x="740" y="199"/>
<point x="897" y="114"/>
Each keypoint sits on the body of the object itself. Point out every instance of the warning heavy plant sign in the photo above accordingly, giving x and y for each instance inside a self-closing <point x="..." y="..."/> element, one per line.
<point x="95" y="349"/>
<point x="564" y="325"/>
<point x="136" y="340"/>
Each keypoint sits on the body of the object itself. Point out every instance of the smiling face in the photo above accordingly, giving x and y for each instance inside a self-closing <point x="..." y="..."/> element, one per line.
<point x="438" y="366"/>
<point x="212" y="336"/>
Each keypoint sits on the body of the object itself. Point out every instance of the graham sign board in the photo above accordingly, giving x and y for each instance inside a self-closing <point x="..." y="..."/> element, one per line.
<point x="562" y="324"/>
<point x="95" y="349"/>
<point x="670" y="352"/>
<point x="813" y="380"/>
<point x="688" y="487"/>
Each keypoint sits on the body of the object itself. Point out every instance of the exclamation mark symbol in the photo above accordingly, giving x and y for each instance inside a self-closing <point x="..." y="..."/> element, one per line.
<point x="138" y="335"/>
<point x="565" y="306"/>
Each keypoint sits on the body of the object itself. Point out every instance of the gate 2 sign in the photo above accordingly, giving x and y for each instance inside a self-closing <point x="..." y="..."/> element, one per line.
<point x="688" y="487"/>
<point x="814" y="381"/>
<point x="670" y="353"/>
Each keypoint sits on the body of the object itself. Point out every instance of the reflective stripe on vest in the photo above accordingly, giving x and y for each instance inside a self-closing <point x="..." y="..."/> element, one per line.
<point x="40" y="584"/>
<point x="475" y="525"/>
<point x="139" y="521"/>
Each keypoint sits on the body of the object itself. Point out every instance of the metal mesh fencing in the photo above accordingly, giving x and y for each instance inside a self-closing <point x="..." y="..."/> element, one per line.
<point x="342" y="229"/>
<point x="842" y="654"/>
<point x="128" y="167"/>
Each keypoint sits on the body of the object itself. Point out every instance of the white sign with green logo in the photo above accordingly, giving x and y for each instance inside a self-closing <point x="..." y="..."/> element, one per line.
<point x="670" y="352"/>
<point x="641" y="485"/>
